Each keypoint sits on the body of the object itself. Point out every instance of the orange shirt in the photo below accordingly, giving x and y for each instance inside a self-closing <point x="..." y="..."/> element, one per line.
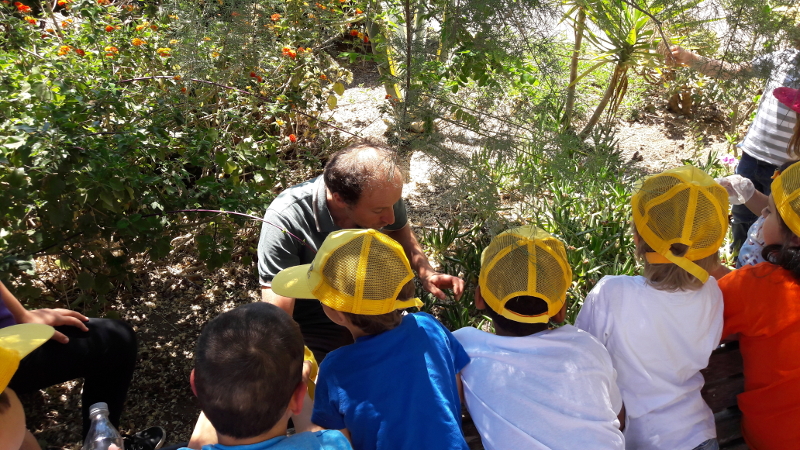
<point x="762" y="304"/>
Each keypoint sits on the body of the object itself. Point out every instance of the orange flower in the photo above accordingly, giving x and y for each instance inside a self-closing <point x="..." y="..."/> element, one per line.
<point x="164" y="52"/>
<point x="300" y="49"/>
<point x="30" y="20"/>
<point x="323" y="77"/>
<point x="260" y="80"/>
<point x="111" y="50"/>
<point x="388" y="96"/>
<point x="141" y="27"/>
<point x="80" y="52"/>
<point x="235" y="14"/>
<point x="23" y="8"/>
<point x="215" y="54"/>
<point x="275" y="17"/>
<point x="183" y="89"/>
<point x="109" y="29"/>
<point x="177" y="78"/>
<point x="137" y="42"/>
<point x="62" y="2"/>
<point x="359" y="11"/>
<point x="353" y="32"/>
<point x="103" y="2"/>
<point x="154" y="27"/>
<point x="292" y="138"/>
<point x="321" y="6"/>
<point x="63" y="50"/>
<point x="366" y="38"/>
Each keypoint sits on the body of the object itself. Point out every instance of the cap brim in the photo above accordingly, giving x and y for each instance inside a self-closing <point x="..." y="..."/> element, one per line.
<point x="26" y="337"/>
<point x="295" y="282"/>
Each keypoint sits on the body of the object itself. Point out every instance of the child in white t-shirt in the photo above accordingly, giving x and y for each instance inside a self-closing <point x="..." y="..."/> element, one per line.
<point x="660" y="328"/>
<point x="530" y="387"/>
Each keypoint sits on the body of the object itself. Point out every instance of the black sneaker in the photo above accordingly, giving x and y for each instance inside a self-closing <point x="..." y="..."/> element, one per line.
<point x="149" y="439"/>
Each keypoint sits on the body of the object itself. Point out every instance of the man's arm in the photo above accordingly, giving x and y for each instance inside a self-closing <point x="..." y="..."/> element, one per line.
<point x="707" y="66"/>
<point x="284" y="303"/>
<point x="432" y="280"/>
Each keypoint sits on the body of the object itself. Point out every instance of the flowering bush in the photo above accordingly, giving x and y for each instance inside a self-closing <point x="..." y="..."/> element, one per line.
<point x="111" y="115"/>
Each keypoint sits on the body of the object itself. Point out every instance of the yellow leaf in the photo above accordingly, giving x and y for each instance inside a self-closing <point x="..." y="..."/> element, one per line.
<point x="332" y="102"/>
<point x="338" y="88"/>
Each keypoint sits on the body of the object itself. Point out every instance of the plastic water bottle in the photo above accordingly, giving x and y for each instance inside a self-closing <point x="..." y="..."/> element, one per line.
<point x="101" y="433"/>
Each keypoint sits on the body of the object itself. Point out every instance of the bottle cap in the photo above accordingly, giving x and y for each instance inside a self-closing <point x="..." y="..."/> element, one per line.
<point x="98" y="408"/>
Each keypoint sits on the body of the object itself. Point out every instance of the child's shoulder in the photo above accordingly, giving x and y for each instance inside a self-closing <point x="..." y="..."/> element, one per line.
<point x="610" y="285"/>
<point x="317" y="440"/>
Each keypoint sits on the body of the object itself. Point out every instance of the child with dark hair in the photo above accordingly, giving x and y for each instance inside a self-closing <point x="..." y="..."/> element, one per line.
<point x="762" y="310"/>
<point x="248" y="381"/>
<point x="527" y="386"/>
<point x="660" y="328"/>
<point x="397" y="385"/>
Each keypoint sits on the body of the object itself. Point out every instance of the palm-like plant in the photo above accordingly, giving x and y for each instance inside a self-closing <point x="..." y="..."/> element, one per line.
<point x="626" y="34"/>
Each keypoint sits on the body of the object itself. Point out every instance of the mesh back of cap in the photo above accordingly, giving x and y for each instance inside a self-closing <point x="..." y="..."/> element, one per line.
<point x="682" y="206"/>
<point x="786" y="193"/>
<point x="363" y="276"/>
<point x="515" y="264"/>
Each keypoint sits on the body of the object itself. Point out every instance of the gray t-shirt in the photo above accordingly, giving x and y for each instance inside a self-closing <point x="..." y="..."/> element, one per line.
<point x="303" y="211"/>
<point x="768" y="137"/>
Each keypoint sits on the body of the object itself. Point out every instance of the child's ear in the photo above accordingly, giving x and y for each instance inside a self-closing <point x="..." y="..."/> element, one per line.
<point x="191" y="383"/>
<point x="479" y="302"/>
<point x="561" y="315"/>
<point x="299" y="395"/>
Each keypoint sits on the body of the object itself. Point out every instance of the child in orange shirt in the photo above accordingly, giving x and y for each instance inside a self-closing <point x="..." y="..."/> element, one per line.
<point x="762" y="308"/>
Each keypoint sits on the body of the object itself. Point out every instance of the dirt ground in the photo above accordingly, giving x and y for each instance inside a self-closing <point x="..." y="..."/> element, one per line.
<point x="172" y="299"/>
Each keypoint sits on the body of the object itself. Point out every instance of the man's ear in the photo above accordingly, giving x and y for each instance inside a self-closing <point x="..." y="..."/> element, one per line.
<point x="191" y="382"/>
<point x="298" y="397"/>
<point x="479" y="302"/>
<point x="338" y="200"/>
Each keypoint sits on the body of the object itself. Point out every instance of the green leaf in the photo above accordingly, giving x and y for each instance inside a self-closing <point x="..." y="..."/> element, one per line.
<point x="85" y="281"/>
<point x="338" y="88"/>
<point x="332" y="102"/>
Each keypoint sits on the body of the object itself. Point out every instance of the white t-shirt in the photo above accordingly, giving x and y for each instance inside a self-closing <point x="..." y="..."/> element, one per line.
<point x="552" y="390"/>
<point x="658" y="341"/>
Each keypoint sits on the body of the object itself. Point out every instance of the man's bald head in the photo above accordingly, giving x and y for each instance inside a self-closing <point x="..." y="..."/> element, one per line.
<point x="353" y="170"/>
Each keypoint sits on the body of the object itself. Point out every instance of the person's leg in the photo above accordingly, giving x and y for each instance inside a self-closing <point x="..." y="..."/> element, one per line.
<point x="104" y="357"/>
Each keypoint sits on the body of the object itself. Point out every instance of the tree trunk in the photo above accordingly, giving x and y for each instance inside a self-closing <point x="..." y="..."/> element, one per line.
<point x="619" y="70"/>
<point x="573" y="71"/>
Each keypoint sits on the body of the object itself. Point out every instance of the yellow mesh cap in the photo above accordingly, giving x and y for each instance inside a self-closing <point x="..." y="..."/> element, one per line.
<point x="354" y="271"/>
<point x="525" y="261"/>
<point x="682" y="206"/>
<point x="786" y="193"/>
<point x="16" y="342"/>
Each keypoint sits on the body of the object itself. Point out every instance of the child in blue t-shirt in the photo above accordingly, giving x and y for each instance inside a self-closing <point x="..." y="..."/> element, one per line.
<point x="248" y="381"/>
<point x="397" y="386"/>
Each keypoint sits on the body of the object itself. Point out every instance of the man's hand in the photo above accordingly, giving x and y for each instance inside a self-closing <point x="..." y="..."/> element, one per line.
<point x="675" y="55"/>
<point x="54" y="318"/>
<point x="435" y="282"/>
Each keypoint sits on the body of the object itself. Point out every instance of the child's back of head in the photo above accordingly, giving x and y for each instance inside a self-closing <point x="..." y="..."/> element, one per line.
<point x="524" y="280"/>
<point x="248" y="364"/>
<point x="680" y="221"/>
<point x="530" y="387"/>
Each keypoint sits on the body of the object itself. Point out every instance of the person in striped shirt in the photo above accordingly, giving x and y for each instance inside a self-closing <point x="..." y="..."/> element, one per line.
<point x="765" y="147"/>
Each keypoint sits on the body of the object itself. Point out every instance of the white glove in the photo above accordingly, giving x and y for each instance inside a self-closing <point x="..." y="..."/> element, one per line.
<point x="739" y="188"/>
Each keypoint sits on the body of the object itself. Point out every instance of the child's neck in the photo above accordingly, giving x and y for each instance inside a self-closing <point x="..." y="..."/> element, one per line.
<point x="278" y="430"/>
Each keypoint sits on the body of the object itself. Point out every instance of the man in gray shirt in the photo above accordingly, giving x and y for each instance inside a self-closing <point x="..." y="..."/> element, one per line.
<point x="360" y="188"/>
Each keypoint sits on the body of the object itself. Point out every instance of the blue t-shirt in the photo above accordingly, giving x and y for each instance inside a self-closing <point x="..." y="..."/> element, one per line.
<point x="395" y="390"/>
<point x="320" y="440"/>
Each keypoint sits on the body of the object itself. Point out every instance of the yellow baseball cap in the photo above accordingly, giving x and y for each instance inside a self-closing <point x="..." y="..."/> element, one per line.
<point x="525" y="261"/>
<point x="354" y="271"/>
<point x="681" y="206"/>
<point x="16" y="342"/>
<point x="786" y="193"/>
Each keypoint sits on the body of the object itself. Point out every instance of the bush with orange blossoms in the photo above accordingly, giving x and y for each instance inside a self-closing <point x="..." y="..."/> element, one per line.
<point x="292" y="138"/>
<point x="63" y="50"/>
<point x="141" y="27"/>
<point x="353" y="32"/>
<point x="137" y="42"/>
<point x="111" y="50"/>
<point x="80" y="52"/>
<point x="30" y="20"/>
<point x="164" y="52"/>
<point x="109" y="28"/>
<point x="275" y="17"/>
<point x="103" y="2"/>
<point x="23" y="8"/>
